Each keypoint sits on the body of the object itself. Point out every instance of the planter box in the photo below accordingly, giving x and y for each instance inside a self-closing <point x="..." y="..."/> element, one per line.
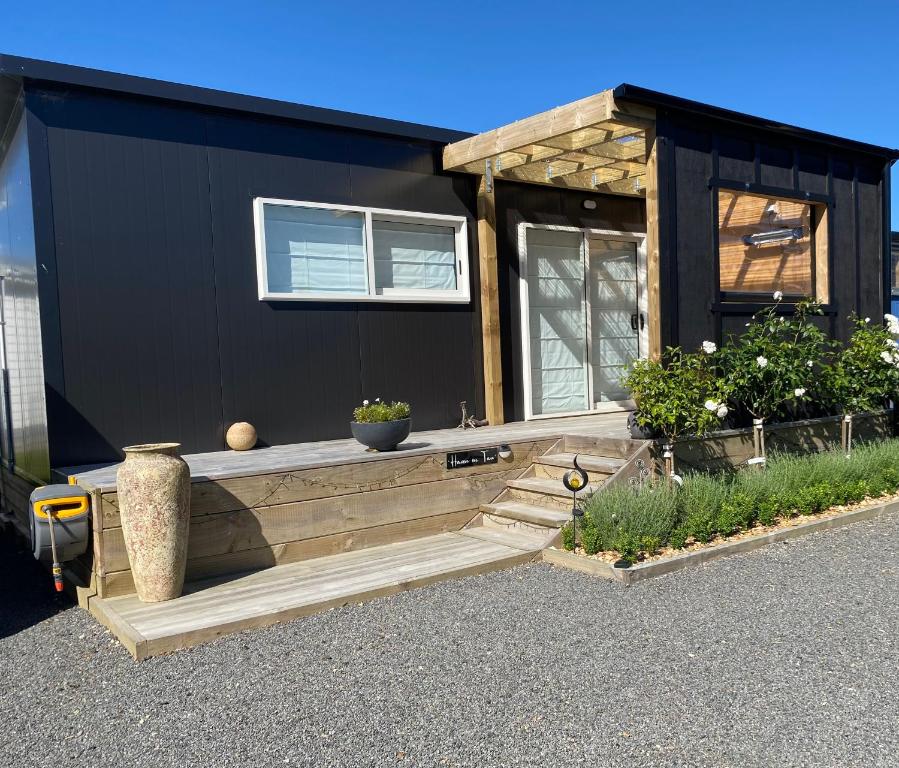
<point x="733" y="447"/>
<point x="678" y="562"/>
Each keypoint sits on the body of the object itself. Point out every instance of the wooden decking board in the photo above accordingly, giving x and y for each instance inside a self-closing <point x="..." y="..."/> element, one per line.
<point x="318" y="590"/>
<point x="527" y="542"/>
<point x="336" y="568"/>
<point x="220" y="465"/>
<point x="215" y="607"/>
<point x="528" y="513"/>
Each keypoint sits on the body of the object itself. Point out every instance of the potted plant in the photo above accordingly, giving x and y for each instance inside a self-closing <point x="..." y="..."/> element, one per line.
<point x="381" y="426"/>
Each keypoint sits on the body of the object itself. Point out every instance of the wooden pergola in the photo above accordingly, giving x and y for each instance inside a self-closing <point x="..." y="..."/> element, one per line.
<point x="596" y="144"/>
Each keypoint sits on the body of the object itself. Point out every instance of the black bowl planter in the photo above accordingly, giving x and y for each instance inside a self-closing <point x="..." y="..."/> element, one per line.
<point x="381" y="435"/>
<point x="638" y="432"/>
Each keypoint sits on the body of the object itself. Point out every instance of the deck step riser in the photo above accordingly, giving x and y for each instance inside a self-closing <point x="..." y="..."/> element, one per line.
<point x="553" y="472"/>
<point x="540" y="536"/>
<point x="500" y="523"/>
<point x="536" y="499"/>
<point x="591" y="463"/>
<point x="604" y="446"/>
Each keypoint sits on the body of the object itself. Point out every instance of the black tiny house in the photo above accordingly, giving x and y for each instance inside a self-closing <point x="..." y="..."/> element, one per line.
<point x="175" y="259"/>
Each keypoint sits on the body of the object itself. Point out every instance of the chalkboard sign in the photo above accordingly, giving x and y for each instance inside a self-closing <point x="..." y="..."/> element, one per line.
<point x="476" y="458"/>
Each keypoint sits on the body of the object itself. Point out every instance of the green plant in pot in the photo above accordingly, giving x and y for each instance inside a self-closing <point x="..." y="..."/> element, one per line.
<point x="381" y="426"/>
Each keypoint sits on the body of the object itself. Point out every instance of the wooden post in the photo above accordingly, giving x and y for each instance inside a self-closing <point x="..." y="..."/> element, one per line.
<point x="490" y="330"/>
<point x="653" y="254"/>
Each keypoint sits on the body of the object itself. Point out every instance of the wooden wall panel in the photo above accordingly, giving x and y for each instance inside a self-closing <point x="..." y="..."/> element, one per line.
<point x="763" y="268"/>
<point x="696" y="279"/>
<point x="704" y="155"/>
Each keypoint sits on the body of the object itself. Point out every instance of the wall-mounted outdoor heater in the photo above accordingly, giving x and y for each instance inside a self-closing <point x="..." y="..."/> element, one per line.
<point x="774" y="236"/>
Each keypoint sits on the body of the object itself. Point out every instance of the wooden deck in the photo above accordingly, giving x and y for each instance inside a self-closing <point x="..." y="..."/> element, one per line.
<point x="212" y="608"/>
<point x="223" y="465"/>
<point x="282" y="532"/>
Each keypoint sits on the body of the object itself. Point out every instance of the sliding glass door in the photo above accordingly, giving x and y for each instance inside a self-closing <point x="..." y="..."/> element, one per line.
<point x="557" y="321"/>
<point x="581" y="302"/>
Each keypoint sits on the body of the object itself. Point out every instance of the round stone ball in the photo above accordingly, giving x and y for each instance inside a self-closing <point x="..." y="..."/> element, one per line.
<point x="241" y="436"/>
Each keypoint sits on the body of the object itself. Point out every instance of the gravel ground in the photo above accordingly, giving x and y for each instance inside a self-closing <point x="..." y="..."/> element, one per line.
<point x="783" y="657"/>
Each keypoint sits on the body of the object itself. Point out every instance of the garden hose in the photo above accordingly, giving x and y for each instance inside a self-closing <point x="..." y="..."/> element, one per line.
<point x="57" y="569"/>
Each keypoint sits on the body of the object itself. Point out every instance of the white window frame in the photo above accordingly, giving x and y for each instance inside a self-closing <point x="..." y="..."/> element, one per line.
<point x="461" y="295"/>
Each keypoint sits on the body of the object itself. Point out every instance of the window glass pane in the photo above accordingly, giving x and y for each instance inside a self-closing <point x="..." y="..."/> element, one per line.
<point x="764" y="244"/>
<point x="558" y="326"/>
<point x="313" y="250"/>
<point x="414" y="256"/>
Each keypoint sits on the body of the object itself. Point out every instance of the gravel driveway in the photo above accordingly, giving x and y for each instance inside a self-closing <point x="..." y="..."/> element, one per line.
<point x="788" y="656"/>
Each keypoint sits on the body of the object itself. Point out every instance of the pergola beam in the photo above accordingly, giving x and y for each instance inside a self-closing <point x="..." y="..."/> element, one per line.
<point x="581" y="114"/>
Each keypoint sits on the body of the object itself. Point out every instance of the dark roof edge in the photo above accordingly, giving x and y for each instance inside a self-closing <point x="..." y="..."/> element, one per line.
<point x="67" y="74"/>
<point x="628" y="92"/>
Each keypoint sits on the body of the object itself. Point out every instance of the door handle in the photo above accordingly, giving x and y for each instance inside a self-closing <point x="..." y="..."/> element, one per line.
<point x="634" y="321"/>
<point x="642" y="321"/>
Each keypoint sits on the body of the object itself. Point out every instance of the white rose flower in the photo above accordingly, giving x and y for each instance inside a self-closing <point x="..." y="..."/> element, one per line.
<point x="799" y="391"/>
<point x="365" y="402"/>
<point x="809" y="363"/>
<point x="711" y="405"/>
<point x="891" y="318"/>
<point x="722" y="411"/>
<point x="762" y="361"/>
<point x="778" y="295"/>
<point x="867" y="319"/>
<point x="892" y="324"/>
<point x="887" y="357"/>
<point x="377" y="399"/>
<point x="709" y="346"/>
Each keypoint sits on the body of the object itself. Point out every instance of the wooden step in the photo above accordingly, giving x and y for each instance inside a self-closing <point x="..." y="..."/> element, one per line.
<point x="216" y="607"/>
<point x="512" y="537"/>
<point x="545" y="486"/>
<point x="528" y="513"/>
<point x="605" y="465"/>
<point x="621" y="448"/>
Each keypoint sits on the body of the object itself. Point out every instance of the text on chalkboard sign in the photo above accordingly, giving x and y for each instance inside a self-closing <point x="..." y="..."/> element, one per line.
<point x="476" y="458"/>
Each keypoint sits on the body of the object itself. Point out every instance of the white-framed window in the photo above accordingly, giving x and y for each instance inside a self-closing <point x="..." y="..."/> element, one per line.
<point x="323" y="252"/>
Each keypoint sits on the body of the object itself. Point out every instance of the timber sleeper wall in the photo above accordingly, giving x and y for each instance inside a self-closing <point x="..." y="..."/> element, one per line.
<point x="255" y="521"/>
<point x="734" y="447"/>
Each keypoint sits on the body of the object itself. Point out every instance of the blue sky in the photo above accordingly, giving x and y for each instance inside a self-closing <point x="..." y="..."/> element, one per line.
<point x="828" y="65"/>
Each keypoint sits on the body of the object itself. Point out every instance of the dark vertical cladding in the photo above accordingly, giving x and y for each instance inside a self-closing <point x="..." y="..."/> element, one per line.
<point x="139" y="351"/>
<point x="161" y="332"/>
<point x="529" y="203"/>
<point x="699" y="155"/>
<point x="297" y="369"/>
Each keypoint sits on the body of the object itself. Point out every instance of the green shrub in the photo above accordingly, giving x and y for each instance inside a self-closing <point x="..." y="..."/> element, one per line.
<point x="866" y="372"/>
<point x="773" y="363"/>
<point x="371" y="413"/>
<point x="637" y="522"/>
<point x="629" y="521"/>
<point x="678" y="395"/>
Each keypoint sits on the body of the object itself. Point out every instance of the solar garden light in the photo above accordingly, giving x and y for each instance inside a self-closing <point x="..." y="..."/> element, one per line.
<point x="575" y="480"/>
<point x="846" y="434"/>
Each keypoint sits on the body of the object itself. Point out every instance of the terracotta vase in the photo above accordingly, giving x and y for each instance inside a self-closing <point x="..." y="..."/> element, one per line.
<point x="153" y="486"/>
